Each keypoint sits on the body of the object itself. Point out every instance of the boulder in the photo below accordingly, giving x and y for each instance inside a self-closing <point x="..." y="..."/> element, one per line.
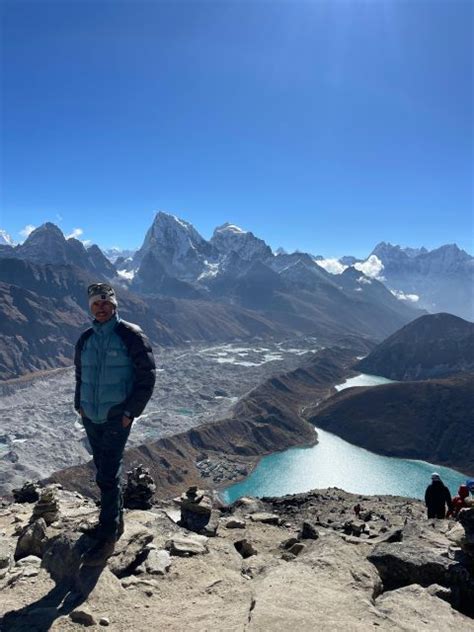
<point x="288" y="543"/>
<point x="235" y="523"/>
<point x="187" y="545"/>
<point x="412" y="562"/>
<point x="414" y="608"/>
<point x="265" y="517"/>
<point x="82" y="616"/>
<point x="28" y="493"/>
<point x="297" y="548"/>
<point x="63" y="555"/>
<point x="308" y="531"/>
<point x="355" y="527"/>
<point x="158" y="562"/>
<point x="32" y="540"/>
<point x="130" y="550"/>
<point x="245" y="548"/>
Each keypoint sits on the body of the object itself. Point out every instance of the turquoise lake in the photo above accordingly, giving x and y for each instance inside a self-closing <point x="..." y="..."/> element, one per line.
<point x="334" y="462"/>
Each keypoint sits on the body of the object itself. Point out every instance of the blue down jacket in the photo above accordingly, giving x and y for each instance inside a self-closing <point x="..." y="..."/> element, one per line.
<point x="115" y="370"/>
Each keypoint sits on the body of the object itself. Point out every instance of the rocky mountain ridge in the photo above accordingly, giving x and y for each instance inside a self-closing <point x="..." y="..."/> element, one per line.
<point x="48" y="245"/>
<point x="442" y="278"/>
<point x="181" y="292"/>
<point x="434" y="345"/>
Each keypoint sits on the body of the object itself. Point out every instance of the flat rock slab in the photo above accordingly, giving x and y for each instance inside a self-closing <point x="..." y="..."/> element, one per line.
<point x="414" y="609"/>
<point x="266" y="518"/>
<point x="403" y="563"/>
<point x="186" y="545"/>
<point x="235" y="523"/>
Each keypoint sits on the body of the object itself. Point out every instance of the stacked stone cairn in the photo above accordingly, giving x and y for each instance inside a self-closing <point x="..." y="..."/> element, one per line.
<point x="33" y="537"/>
<point x="47" y="507"/>
<point x="28" y="493"/>
<point x="139" y="490"/>
<point x="197" y="513"/>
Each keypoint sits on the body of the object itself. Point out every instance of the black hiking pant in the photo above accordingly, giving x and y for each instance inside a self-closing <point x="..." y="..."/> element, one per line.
<point x="107" y="441"/>
<point x="436" y="513"/>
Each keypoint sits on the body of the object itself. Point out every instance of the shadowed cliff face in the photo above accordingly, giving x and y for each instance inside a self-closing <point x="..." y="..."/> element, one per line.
<point x="430" y="420"/>
<point x="436" y="345"/>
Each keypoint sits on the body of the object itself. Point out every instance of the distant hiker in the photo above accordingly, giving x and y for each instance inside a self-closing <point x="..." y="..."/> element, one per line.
<point x="357" y="510"/>
<point x="459" y="501"/>
<point x="115" y="376"/>
<point x="437" y="497"/>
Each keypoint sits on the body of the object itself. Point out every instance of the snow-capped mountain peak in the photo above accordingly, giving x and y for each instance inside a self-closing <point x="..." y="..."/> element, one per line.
<point x="176" y="245"/>
<point x="231" y="238"/>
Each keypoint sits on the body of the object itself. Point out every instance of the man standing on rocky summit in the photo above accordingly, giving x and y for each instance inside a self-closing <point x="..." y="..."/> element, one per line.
<point x="115" y="376"/>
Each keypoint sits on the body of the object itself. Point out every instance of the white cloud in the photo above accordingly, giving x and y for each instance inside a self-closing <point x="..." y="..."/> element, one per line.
<point x="364" y="280"/>
<point x="76" y="232"/>
<point x="413" y="298"/>
<point x="27" y="230"/>
<point x="371" y="267"/>
<point x="86" y="242"/>
<point x="333" y="266"/>
<point x="59" y="218"/>
<point x="126" y="274"/>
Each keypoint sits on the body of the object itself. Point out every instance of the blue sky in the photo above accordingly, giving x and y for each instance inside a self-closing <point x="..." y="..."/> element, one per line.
<point x="324" y="126"/>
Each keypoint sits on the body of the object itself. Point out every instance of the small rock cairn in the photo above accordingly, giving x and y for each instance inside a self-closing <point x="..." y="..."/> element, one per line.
<point x="139" y="490"/>
<point x="47" y="506"/>
<point x="197" y="513"/>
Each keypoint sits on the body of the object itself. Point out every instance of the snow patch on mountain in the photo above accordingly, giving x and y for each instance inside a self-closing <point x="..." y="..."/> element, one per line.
<point x="231" y="238"/>
<point x="211" y="270"/>
<point x="333" y="266"/>
<point x="413" y="298"/>
<point x="115" y="252"/>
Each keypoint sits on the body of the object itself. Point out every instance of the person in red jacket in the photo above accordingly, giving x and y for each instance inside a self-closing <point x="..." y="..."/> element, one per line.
<point x="459" y="501"/>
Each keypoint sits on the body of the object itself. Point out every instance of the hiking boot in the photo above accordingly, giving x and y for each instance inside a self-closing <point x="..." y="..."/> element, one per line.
<point x="96" y="531"/>
<point x="99" y="553"/>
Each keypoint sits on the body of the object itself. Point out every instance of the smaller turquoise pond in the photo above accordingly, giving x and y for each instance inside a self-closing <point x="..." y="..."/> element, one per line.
<point x="334" y="462"/>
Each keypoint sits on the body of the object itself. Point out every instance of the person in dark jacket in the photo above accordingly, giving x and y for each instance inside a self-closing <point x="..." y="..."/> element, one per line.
<point x="115" y="377"/>
<point x="437" y="497"/>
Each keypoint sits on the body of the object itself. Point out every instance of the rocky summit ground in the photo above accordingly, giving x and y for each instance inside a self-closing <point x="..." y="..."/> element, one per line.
<point x="303" y="562"/>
